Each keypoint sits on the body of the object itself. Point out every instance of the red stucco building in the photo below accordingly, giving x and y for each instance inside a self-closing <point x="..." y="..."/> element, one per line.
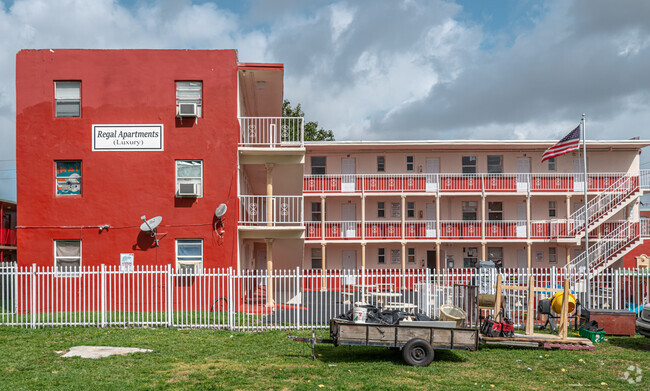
<point x="105" y="137"/>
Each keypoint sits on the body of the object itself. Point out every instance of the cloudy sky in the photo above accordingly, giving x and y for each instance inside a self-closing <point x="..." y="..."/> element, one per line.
<point x="411" y="69"/>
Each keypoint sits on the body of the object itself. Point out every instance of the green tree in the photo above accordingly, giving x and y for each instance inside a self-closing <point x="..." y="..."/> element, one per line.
<point x="312" y="133"/>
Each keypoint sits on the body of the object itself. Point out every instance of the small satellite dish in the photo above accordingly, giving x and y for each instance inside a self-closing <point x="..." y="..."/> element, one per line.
<point x="151" y="224"/>
<point x="220" y="211"/>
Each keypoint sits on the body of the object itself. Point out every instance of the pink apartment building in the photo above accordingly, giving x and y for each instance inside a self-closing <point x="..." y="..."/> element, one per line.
<point x="435" y="204"/>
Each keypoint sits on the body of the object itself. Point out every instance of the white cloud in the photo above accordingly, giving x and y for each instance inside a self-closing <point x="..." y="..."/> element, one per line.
<point x="382" y="70"/>
<point x="107" y="24"/>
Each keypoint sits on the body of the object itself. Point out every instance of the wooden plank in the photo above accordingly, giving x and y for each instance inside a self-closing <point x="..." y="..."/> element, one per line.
<point x="381" y="333"/>
<point x="497" y="301"/>
<point x="530" y="315"/>
<point x="541" y="338"/>
<point x="465" y="338"/>
<point x="564" y="316"/>
<point x="405" y="334"/>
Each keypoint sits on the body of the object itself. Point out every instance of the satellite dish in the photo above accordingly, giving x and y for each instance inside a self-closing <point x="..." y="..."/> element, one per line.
<point x="151" y="224"/>
<point x="220" y="211"/>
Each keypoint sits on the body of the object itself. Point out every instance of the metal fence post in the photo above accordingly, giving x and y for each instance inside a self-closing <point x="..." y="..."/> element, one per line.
<point x="299" y="299"/>
<point x="32" y="299"/>
<point x="616" y="293"/>
<point x="427" y="292"/>
<point x="231" y="326"/>
<point x="170" y="296"/>
<point x="103" y="295"/>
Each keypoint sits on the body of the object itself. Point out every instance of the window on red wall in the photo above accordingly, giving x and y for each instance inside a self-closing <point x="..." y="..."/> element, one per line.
<point x="67" y="97"/>
<point x="68" y="177"/>
<point x="67" y="257"/>
<point x="190" y="92"/>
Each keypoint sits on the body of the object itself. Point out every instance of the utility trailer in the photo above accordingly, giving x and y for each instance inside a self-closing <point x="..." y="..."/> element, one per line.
<point x="416" y="340"/>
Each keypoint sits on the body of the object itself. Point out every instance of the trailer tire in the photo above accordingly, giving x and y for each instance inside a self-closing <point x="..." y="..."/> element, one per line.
<point x="417" y="352"/>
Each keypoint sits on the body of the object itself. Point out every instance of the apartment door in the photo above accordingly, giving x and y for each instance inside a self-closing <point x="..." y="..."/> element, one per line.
<point x="523" y="174"/>
<point x="431" y="259"/>
<point x="433" y="169"/>
<point x="522" y="261"/>
<point x="348" y="220"/>
<point x="578" y="174"/>
<point x="349" y="265"/>
<point x="431" y="220"/>
<point x="348" y="177"/>
<point x="521" y="220"/>
<point x="260" y="266"/>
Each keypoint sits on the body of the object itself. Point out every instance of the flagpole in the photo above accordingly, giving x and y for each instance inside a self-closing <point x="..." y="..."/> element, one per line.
<point x="586" y="188"/>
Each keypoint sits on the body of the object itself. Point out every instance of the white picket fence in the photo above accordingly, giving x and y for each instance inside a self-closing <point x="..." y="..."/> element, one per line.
<point x="287" y="299"/>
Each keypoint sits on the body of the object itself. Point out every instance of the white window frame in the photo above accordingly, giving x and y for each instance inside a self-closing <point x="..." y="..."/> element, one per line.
<point x="410" y="166"/>
<point x="317" y="255"/>
<point x="410" y="209"/>
<point x="552" y="255"/>
<point x="198" y="180"/>
<point x="471" y="167"/>
<point x="190" y="259"/>
<point x="185" y="85"/>
<point x="59" y="97"/>
<point x="381" y="256"/>
<point x="381" y="206"/>
<point x="381" y="163"/>
<point x="495" y="212"/>
<point x="410" y="256"/>
<point x="469" y="207"/>
<point x="552" y="206"/>
<point x="552" y="164"/>
<point x="58" y="273"/>
<point x="318" y="167"/>
<point x="493" y="168"/>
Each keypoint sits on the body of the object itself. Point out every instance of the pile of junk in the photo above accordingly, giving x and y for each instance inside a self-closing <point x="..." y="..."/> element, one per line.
<point x="450" y="316"/>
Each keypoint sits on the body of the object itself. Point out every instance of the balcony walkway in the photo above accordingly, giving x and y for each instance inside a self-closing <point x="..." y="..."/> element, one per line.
<point x="434" y="183"/>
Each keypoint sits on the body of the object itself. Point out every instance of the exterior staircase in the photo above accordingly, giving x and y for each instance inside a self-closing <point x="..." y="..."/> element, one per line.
<point x="603" y="253"/>
<point x="603" y="206"/>
<point x="608" y="249"/>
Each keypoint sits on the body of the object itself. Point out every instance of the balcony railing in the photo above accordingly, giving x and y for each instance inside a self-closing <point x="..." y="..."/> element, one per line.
<point x="645" y="228"/>
<point x="432" y="183"/>
<point x="271" y="211"/>
<point x="271" y="132"/>
<point x="8" y="237"/>
<point x="644" y="179"/>
<point x="449" y="230"/>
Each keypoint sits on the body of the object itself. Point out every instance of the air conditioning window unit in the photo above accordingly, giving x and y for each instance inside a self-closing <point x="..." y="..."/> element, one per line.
<point x="187" y="110"/>
<point x="188" y="189"/>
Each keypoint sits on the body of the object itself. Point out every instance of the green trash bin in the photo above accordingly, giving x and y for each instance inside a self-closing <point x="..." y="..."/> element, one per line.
<point x="593" y="336"/>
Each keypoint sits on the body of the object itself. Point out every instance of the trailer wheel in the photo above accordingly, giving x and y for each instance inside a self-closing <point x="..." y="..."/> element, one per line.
<point x="418" y="352"/>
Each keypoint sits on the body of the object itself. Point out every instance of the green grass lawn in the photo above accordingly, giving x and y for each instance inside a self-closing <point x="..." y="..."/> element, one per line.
<point x="208" y="359"/>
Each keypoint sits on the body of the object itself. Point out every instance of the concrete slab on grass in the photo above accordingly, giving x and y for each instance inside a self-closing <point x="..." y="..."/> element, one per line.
<point x="101" y="351"/>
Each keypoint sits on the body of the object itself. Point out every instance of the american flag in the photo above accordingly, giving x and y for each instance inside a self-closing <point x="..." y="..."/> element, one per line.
<point x="569" y="143"/>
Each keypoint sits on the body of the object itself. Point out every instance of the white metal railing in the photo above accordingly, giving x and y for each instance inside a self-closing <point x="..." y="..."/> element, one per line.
<point x="645" y="227"/>
<point x="603" y="203"/>
<point x="644" y="179"/>
<point x="271" y="131"/>
<point x="421" y="229"/>
<point x="605" y="248"/>
<point x="505" y="229"/>
<point x="450" y="182"/>
<point x="391" y="229"/>
<point x="460" y="229"/>
<point x="285" y="299"/>
<point x="270" y="210"/>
